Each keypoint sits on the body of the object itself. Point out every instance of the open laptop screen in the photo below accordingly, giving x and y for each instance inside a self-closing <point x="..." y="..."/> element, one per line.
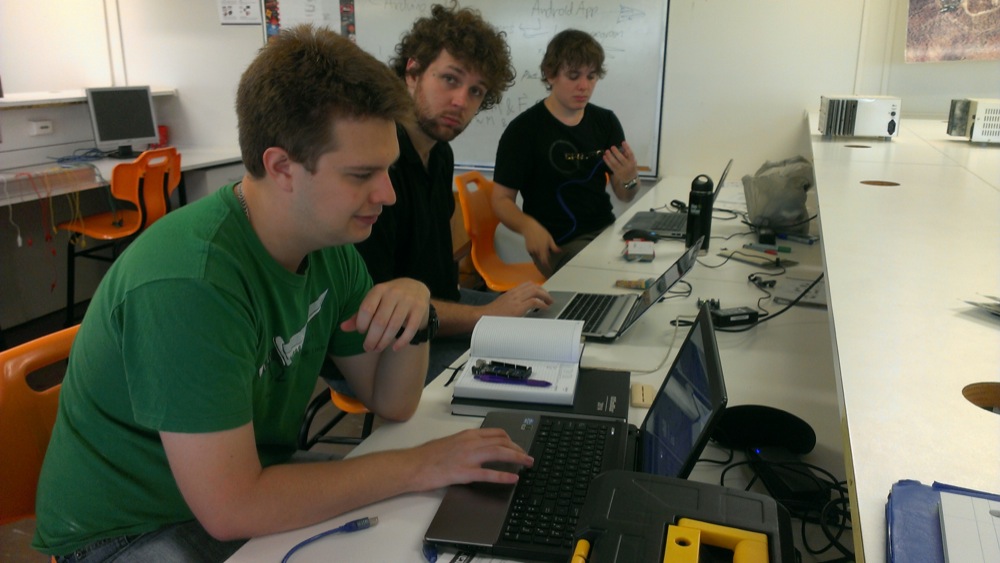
<point x="659" y="288"/>
<point x="692" y="394"/>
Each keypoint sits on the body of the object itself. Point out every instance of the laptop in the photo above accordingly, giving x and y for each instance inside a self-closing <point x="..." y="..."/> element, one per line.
<point x="500" y="519"/>
<point x="606" y="316"/>
<point x="669" y="224"/>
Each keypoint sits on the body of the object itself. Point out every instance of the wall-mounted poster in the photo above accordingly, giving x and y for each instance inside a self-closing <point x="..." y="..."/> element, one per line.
<point x="239" y="12"/>
<point x="338" y="15"/>
<point x="953" y="30"/>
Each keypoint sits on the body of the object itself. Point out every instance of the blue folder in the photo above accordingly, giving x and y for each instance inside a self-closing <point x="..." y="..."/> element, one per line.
<point x="913" y="524"/>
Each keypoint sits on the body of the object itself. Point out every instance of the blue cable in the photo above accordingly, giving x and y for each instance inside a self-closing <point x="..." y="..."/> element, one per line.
<point x="563" y="202"/>
<point x="430" y="552"/>
<point x="352" y="526"/>
<point x="81" y="155"/>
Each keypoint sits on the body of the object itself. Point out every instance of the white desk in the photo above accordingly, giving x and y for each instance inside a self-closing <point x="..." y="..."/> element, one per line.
<point x="786" y="363"/>
<point x="900" y="260"/>
<point x="30" y="183"/>
<point x="46" y="181"/>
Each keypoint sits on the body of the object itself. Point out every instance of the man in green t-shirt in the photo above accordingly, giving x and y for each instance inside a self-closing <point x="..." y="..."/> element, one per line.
<point x="193" y="367"/>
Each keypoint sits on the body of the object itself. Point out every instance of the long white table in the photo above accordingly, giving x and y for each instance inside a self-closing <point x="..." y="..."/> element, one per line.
<point x="785" y="363"/>
<point x="900" y="261"/>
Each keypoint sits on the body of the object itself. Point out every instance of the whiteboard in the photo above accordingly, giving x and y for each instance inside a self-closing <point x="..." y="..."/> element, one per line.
<point x="632" y="32"/>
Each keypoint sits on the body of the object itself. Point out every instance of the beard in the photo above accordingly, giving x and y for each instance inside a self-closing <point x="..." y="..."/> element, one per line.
<point x="436" y="130"/>
<point x="430" y="123"/>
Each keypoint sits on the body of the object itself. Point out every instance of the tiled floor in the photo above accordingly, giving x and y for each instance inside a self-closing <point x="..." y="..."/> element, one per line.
<point x="15" y="538"/>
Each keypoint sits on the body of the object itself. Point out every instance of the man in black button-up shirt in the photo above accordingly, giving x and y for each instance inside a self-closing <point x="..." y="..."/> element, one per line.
<point x="450" y="80"/>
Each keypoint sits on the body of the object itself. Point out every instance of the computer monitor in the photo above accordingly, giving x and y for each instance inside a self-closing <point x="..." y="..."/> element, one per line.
<point x="123" y="119"/>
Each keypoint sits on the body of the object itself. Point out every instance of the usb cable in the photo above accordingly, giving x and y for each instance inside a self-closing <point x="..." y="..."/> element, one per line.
<point x="352" y="526"/>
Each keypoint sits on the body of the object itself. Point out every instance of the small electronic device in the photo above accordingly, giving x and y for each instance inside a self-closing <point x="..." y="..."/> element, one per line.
<point x="735" y="316"/>
<point x="859" y="116"/>
<point x="501" y="369"/>
<point x="123" y="119"/>
<point x="639" y="251"/>
<point x="977" y="120"/>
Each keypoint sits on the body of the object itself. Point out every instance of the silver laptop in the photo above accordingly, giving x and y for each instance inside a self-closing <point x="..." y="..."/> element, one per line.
<point x="536" y="518"/>
<point x="669" y="224"/>
<point x="606" y="316"/>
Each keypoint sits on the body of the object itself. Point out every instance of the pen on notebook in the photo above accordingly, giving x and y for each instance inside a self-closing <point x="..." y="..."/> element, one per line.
<point x="490" y="378"/>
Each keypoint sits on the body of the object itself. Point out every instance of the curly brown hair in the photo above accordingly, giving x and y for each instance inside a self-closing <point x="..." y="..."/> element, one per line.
<point x="571" y="48"/>
<point x="299" y="83"/>
<point x="468" y="38"/>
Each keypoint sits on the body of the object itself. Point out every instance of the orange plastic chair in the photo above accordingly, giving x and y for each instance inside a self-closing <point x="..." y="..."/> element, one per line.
<point x="146" y="184"/>
<point x="347" y="405"/>
<point x="26" y="420"/>
<point x="481" y="224"/>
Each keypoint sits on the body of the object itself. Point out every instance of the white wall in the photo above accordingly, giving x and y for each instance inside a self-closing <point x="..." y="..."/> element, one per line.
<point x="47" y="45"/>
<point x="738" y="77"/>
<point x="741" y="74"/>
<point x="90" y="43"/>
<point x="180" y="44"/>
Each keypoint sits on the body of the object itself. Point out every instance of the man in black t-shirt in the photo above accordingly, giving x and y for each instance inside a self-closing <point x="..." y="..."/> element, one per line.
<point x="560" y="154"/>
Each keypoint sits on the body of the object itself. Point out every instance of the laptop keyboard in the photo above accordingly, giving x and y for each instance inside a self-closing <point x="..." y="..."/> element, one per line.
<point x="548" y="497"/>
<point x="591" y="308"/>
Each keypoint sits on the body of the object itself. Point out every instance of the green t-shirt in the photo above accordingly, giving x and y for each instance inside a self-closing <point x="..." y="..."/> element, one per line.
<point x="195" y="328"/>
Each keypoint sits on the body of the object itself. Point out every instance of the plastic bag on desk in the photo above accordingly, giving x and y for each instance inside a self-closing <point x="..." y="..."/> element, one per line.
<point x="776" y="195"/>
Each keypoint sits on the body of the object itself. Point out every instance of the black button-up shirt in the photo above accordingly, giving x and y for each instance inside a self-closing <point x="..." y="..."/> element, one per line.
<point x="413" y="237"/>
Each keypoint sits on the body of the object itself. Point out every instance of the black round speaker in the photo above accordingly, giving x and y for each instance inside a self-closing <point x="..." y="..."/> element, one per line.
<point x="748" y="426"/>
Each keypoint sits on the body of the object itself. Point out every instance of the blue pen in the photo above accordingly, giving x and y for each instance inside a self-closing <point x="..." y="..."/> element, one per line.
<point x="803" y="239"/>
<point x="490" y="378"/>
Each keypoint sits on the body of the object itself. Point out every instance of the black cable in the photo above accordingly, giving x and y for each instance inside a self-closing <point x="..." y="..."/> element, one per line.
<point x="733" y="214"/>
<point x="833" y="517"/>
<point x="777" y="313"/>
<point x="729" y="457"/>
<point x="764" y="287"/>
<point x="722" y="477"/>
<point x="734" y="235"/>
<point x="454" y="373"/>
<point x="835" y="540"/>
<point x="821" y="516"/>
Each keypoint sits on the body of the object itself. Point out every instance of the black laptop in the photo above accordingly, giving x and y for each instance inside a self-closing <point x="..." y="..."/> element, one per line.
<point x="606" y="316"/>
<point x="536" y="518"/>
<point x="669" y="224"/>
